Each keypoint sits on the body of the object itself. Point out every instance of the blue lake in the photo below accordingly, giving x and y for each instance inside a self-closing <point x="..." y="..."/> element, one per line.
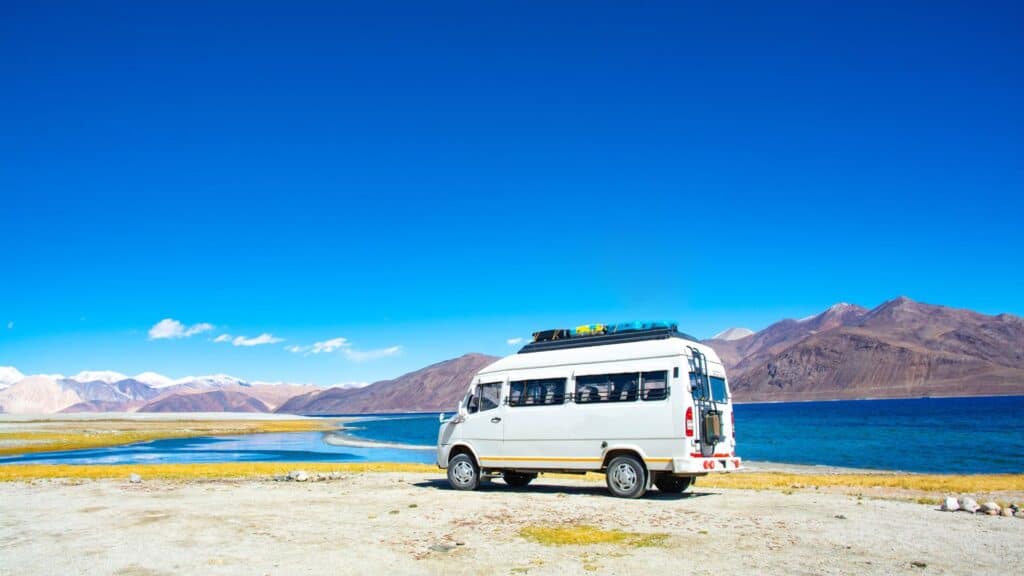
<point x="945" y="435"/>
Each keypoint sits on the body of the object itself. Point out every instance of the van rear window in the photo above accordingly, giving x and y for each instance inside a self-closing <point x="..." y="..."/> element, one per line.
<point x="543" y="392"/>
<point x="717" y="390"/>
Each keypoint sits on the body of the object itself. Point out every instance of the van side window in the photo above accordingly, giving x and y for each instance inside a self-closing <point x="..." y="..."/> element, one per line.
<point x="607" y="388"/>
<point x="655" y="385"/>
<point x="483" y="397"/>
<point x="490" y="396"/>
<point x="537" y="392"/>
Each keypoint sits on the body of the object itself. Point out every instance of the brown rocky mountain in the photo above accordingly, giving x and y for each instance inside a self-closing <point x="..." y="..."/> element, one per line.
<point x="212" y="401"/>
<point x="435" y="388"/>
<point x="901" y="348"/>
<point x="742" y="352"/>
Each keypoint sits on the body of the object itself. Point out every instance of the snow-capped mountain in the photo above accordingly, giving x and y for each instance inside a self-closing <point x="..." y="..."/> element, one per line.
<point x="154" y="380"/>
<point x="211" y="381"/>
<point x="733" y="334"/>
<point x="109" y="391"/>
<point x="107" y="376"/>
<point x="9" y="375"/>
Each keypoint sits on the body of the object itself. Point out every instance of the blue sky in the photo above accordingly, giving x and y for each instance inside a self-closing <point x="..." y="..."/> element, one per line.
<point x="444" y="178"/>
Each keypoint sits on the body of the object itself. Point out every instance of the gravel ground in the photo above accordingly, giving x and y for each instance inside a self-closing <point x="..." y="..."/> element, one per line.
<point x="413" y="524"/>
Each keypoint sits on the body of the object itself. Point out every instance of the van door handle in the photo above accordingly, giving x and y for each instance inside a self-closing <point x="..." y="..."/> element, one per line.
<point x="495" y="420"/>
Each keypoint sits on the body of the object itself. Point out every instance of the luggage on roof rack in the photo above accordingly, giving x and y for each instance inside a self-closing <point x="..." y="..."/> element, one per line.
<point x="549" y="335"/>
<point x="589" y="330"/>
<point x="642" y="325"/>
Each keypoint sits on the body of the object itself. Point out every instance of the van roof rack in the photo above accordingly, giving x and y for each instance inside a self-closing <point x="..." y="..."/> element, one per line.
<point x="602" y="339"/>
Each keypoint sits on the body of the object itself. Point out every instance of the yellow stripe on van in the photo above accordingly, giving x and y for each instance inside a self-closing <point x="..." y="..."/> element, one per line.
<point x="539" y="459"/>
<point x="553" y="459"/>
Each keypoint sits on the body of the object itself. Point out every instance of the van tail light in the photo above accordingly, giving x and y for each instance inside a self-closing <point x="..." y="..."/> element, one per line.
<point x="732" y="424"/>
<point x="689" y="422"/>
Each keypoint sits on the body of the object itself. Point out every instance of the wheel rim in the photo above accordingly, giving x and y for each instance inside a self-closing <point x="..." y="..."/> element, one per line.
<point x="624" y="477"/>
<point x="463" y="472"/>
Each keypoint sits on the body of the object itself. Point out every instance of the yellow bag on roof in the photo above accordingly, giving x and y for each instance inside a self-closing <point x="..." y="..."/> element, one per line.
<point x="590" y="329"/>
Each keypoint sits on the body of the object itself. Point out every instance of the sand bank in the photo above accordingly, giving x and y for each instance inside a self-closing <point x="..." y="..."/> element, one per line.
<point x="411" y="523"/>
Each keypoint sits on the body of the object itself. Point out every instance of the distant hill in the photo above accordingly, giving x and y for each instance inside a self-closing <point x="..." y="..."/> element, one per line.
<point x="37" y="395"/>
<point x="900" y="349"/>
<point x="212" y="401"/>
<point x="435" y="388"/>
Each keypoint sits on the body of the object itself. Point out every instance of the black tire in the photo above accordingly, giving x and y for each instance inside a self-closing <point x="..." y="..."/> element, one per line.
<point x="672" y="484"/>
<point x="517" y="479"/>
<point x="463" y="473"/>
<point x="626" y="477"/>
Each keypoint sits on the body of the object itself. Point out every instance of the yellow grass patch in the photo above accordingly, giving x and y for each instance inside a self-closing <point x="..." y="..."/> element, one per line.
<point x="584" y="535"/>
<point x="49" y="436"/>
<point x="226" y="470"/>
<point x="923" y="482"/>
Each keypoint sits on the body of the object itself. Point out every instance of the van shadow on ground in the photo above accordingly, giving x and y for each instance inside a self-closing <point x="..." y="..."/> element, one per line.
<point x="545" y="488"/>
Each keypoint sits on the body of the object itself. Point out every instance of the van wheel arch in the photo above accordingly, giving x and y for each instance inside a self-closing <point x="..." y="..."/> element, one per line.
<point x="462" y="449"/>
<point x="622" y="452"/>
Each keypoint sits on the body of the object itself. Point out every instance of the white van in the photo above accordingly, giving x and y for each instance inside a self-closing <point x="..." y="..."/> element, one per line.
<point x="643" y="403"/>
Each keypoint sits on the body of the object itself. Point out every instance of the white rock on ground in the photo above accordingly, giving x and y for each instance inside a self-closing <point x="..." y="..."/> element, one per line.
<point x="968" y="504"/>
<point x="990" y="508"/>
<point x="298" y="475"/>
<point x="135" y="479"/>
<point x="950" y="504"/>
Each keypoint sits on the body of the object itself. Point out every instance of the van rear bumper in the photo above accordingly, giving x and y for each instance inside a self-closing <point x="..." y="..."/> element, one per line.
<point x="704" y="465"/>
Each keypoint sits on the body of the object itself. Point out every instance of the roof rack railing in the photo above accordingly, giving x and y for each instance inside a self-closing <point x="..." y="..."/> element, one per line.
<point x="601" y="334"/>
<point x="599" y="329"/>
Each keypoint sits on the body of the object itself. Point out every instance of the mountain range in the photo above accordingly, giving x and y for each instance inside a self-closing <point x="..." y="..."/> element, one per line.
<point x="106" y="391"/>
<point x="899" y="349"/>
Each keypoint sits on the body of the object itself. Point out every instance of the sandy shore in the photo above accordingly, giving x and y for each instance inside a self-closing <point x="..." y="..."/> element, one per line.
<point x="412" y="523"/>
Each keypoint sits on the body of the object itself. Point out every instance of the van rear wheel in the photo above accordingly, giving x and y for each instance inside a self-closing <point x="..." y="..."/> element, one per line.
<point x="517" y="479"/>
<point x="627" y="477"/>
<point x="463" y="473"/>
<point x="672" y="484"/>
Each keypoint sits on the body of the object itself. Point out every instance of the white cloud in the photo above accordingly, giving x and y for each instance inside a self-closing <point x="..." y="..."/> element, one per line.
<point x="264" y="338"/>
<point x="514" y="341"/>
<point x="363" y="355"/>
<point x="223" y="338"/>
<point x="171" y="328"/>
<point x="10" y="325"/>
<point x="318" y="347"/>
<point x="343" y="344"/>
<point x="329" y="346"/>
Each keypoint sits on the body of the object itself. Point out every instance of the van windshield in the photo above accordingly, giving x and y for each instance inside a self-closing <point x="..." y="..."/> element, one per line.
<point x="713" y="389"/>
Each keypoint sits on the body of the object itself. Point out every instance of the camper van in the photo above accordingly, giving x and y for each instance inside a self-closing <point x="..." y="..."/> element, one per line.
<point x="641" y="402"/>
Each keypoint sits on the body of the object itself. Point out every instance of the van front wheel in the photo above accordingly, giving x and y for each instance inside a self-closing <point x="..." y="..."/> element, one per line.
<point x="463" y="473"/>
<point x="627" y="477"/>
<point x="672" y="484"/>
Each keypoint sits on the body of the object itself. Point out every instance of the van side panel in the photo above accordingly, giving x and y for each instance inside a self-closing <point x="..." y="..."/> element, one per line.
<point x="577" y="436"/>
